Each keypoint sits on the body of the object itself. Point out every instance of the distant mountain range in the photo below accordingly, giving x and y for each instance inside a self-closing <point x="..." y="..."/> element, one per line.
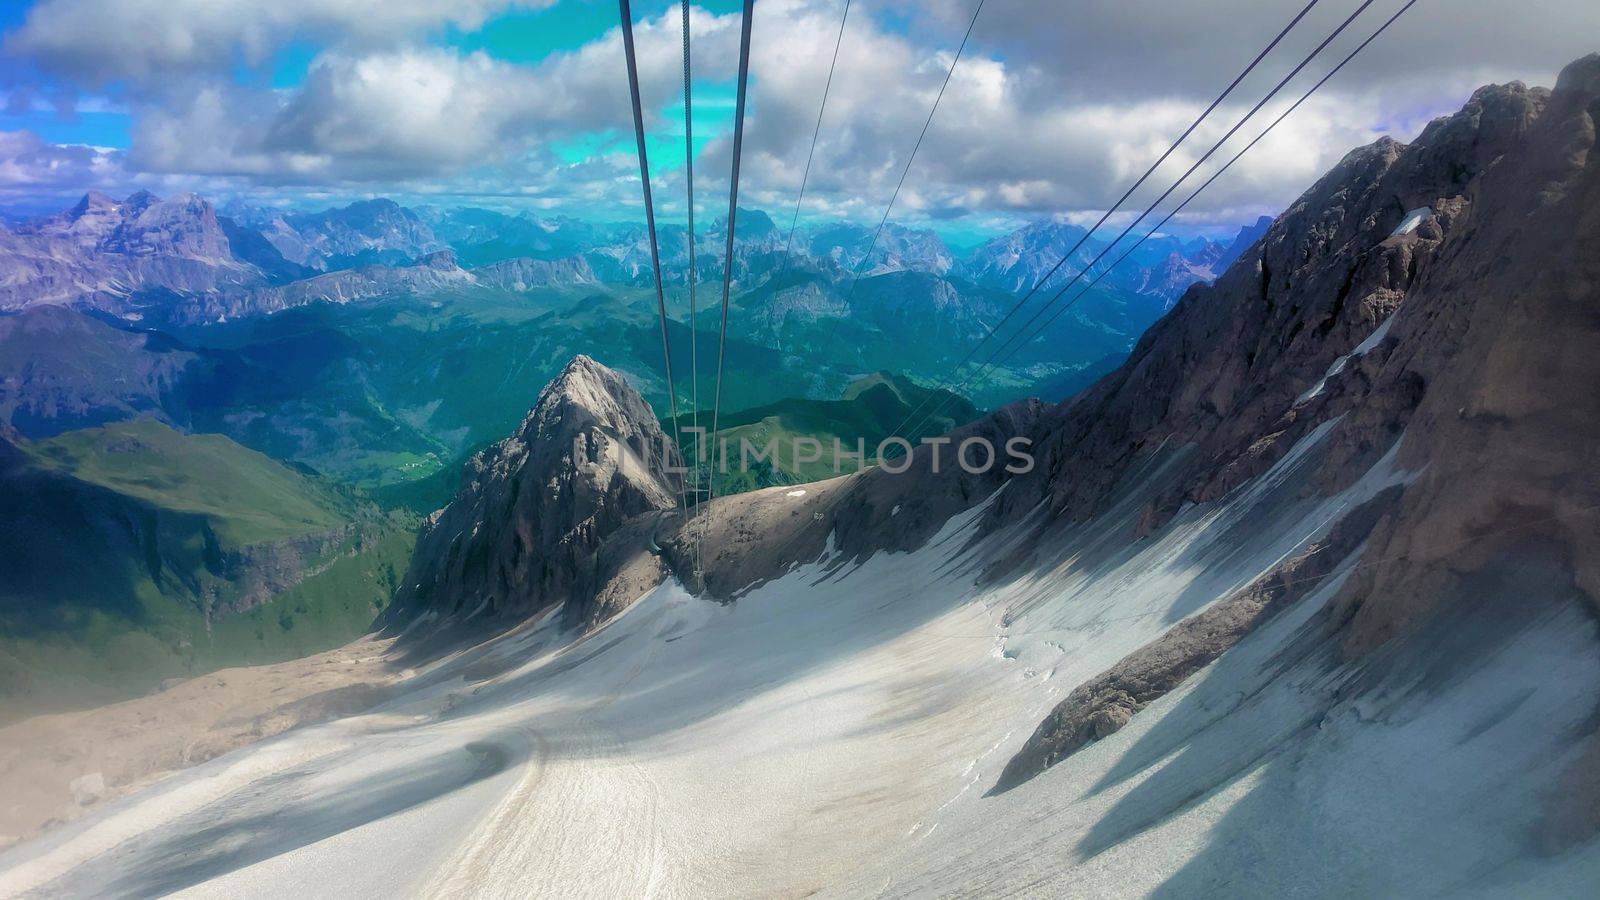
<point x="366" y="232"/>
<point x="181" y="260"/>
<point x="1162" y="266"/>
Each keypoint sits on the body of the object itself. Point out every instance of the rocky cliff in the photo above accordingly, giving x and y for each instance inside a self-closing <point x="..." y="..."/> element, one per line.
<point x="362" y="233"/>
<point x="1435" y="301"/>
<point x="1290" y="338"/>
<point x="560" y="514"/>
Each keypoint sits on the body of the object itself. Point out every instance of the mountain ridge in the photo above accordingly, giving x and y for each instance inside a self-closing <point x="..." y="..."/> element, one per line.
<point x="184" y="260"/>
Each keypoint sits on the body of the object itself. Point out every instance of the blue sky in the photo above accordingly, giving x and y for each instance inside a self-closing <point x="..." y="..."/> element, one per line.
<point x="522" y="103"/>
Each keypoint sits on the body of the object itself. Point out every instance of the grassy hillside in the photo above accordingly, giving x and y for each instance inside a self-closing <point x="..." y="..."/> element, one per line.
<point x="133" y="553"/>
<point x="247" y="497"/>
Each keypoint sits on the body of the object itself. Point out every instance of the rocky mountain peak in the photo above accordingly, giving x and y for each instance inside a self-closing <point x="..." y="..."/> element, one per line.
<point x="184" y="226"/>
<point x="85" y="224"/>
<point x="587" y="399"/>
<point x="364" y="232"/>
<point x="1581" y="76"/>
<point x="1224" y="373"/>
<point x="139" y="201"/>
<point x="90" y="201"/>
<point x="751" y="223"/>
<point x="535" y="524"/>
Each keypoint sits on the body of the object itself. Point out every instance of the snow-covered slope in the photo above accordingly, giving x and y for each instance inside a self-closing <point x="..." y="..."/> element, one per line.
<point x="838" y="729"/>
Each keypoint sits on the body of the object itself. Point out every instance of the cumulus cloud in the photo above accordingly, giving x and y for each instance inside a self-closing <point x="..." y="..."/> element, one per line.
<point x="1118" y="51"/>
<point x="414" y="111"/>
<point x="100" y="41"/>
<point x="996" y="143"/>
<point x="1052" y="111"/>
<point x="1057" y="109"/>
<point x="28" y="163"/>
<point x="407" y="113"/>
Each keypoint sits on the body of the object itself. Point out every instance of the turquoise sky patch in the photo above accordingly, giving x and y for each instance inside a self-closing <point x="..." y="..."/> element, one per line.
<point x="531" y="35"/>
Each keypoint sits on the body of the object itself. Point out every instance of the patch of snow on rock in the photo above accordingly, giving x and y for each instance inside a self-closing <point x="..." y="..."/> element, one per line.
<point x="1413" y="219"/>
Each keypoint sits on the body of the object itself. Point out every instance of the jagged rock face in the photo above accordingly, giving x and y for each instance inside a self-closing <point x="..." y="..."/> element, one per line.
<point x="1483" y="375"/>
<point x="1505" y="335"/>
<point x="1174" y="275"/>
<point x="434" y="272"/>
<point x="1242" y="242"/>
<point x="523" y="273"/>
<point x="1161" y="267"/>
<point x="527" y="528"/>
<point x="808" y="300"/>
<point x="142" y="225"/>
<point x="102" y="251"/>
<point x="1481" y="384"/>
<point x="177" y="260"/>
<point x="85" y="224"/>
<point x="1016" y="261"/>
<point x="183" y="226"/>
<point x="1224" y="373"/>
<point x="898" y="249"/>
<point x="289" y="243"/>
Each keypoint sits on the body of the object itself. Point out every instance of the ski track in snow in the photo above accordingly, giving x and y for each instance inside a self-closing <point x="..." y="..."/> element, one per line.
<point x="836" y="730"/>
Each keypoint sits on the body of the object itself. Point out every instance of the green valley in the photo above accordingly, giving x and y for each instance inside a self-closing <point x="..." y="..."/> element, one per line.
<point x="134" y="552"/>
<point x="871" y="408"/>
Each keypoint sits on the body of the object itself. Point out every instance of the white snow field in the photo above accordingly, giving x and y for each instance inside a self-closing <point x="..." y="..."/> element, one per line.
<point x="836" y="731"/>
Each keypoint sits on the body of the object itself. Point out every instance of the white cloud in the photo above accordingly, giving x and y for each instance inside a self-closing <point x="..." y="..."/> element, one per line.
<point x="996" y="142"/>
<point x="28" y="163"/>
<point x="1117" y="51"/>
<point x="1048" y="112"/>
<point x="1058" y="109"/>
<point x="100" y="41"/>
<point x="412" y="111"/>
